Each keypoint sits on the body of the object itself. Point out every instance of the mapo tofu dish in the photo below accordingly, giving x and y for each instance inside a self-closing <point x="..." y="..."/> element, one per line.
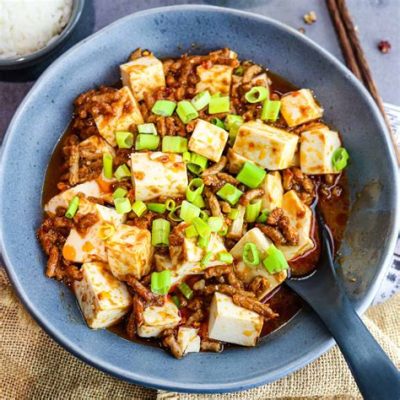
<point x="179" y="200"/>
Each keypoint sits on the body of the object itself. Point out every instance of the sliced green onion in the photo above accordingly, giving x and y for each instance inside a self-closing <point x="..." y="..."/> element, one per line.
<point x="217" y="122"/>
<point x="251" y="175"/>
<point x="176" y="301"/>
<point x="224" y="230"/>
<point x="122" y="205"/>
<point x="148" y="129"/>
<point x="239" y="71"/>
<point x="215" y="223"/>
<point x="108" y="165"/>
<point x="202" y="227"/>
<point x="170" y="204"/>
<point x="201" y="100"/>
<point x="174" y="144"/>
<point x="186" y="290"/>
<point x="204" y="215"/>
<point x="256" y="94"/>
<point x="275" y="261"/>
<point x="199" y="201"/>
<point x="189" y="211"/>
<point x="124" y="139"/>
<point x="159" y="208"/>
<point x="225" y="257"/>
<point x="270" y="110"/>
<point x="194" y="189"/>
<point x="160" y="232"/>
<point x="186" y="111"/>
<point x="233" y="120"/>
<point x="139" y="208"/>
<point x="165" y="108"/>
<point x="251" y="255"/>
<point x="186" y="156"/>
<point x="340" y="158"/>
<point x="206" y="259"/>
<point x="72" y="207"/>
<point x="173" y="214"/>
<point x="190" y="232"/>
<point x="230" y="193"/>
<point x="198" y="163"/>
<point x="219" y="105"/>
<point x="161" y="282"/>
<point x="122" y="172"/>
<point x="233" y="214"/>
<point x="203" y="242"/>
<point x="252" y="211"/>
<point x="262" y="218"/>
<point x="147" y="142"/>
<point x="119" y="192"/>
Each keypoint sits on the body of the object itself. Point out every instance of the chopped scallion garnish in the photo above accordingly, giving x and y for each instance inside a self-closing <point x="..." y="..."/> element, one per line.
<point x="176" y="300"/>
<point x="122" y="172"/>
<point x="203" y="242"/>
<point x="256" y="94"/>
<point x="139" y="208"/>
<point x="219" y="105"/>
<point x="270" y="110"/>
<point x="340" y="158"/>
<point x="186" y="111"/>
<point x="194" y="189"/>
<point x="149" y="129"/>
<point x="230" y="193"/>
<point x="251" y="255"/>
<point x="122" y="205"/>
<point x="275" y="261"/>
<point x="165" y="108"/>
<point x="189" y="211"/>
<point x="251" y="175"/>
<point x="233" y="214"/>
<point x="161" y="282"/>
<point x="124" y="139"/>
<point x="159" y="208"/>
<point x="206" y="259"/>
<point x="72" y="207"/>
<point x="190" y="232"/>
<point x="202" y="227"/>
<point x="186" y="290"/>
<point x="160" y="232"/>
<point x="225" y="257"/>
<point x="174" y="144"/>
<point x="263" y="216"/>
<point x="201" y="100"/>
<point x="217" y="122"/>
<point x="170" y="204"/>
<point x="108" y="165"/>
<point x="252" y="211"/>
<point x="173" y="214"/>
<point x="215" y="223"/>
<point x="145" y="141"/>
<point x="119" y="192"/>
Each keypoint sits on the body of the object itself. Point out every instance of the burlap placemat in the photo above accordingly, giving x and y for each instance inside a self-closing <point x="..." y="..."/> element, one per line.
<point x="33" y="366"/>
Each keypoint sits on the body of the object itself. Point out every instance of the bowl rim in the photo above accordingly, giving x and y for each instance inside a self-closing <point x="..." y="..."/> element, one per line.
<point x="165" y="384"/>
<point x="24" y="60"/>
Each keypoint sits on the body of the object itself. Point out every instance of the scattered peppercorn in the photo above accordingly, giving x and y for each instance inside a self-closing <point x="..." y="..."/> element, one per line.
<point x="302" y="30"/>
<point x="310" y="17"/>
<point x="384" y="46"/>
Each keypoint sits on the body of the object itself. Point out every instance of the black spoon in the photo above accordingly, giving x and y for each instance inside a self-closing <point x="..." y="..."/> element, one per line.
<point x="376" y="376"/>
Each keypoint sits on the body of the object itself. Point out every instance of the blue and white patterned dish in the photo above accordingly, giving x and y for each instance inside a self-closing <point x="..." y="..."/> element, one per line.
<point x="44" y="114"/>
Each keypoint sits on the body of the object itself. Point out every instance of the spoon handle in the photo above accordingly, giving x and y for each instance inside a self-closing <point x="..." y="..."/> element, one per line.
<point x="376" y="376"/>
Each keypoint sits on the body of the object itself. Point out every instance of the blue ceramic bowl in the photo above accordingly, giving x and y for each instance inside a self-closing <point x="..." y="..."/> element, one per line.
<point x="45" y="113"/>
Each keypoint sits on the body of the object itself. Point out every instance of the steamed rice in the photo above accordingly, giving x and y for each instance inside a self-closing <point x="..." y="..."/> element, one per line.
<point x="29" y="25"/>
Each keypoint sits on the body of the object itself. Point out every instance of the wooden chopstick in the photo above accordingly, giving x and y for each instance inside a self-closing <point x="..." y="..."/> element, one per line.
<point x="355" y="57"/>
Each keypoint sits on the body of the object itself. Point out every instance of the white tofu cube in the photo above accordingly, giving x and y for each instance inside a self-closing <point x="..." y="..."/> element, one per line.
<point x="125" y="112"/>
<point x="269" y="147"/>
<point x="316" y="150"/>
<point x="103" y="299"/>
<point x="88" y="189"/>
<point x="158" y="174"/>
<point x="129" y="252"/>
<point x="158" y="318"/>
<point x="235" y="161"/>
<point x="216" y="79"/>
<point x="300" y="107"/>
<point x="143" y="75"/>
<point x="247" y="273"/>
<point x="208" y="140"/>
<point x="90" y="246"/>
<point x="233" y="324"/>
<point x="273" y="191"/>
<point x="94" y="145"/>
<point x="300" y="217"/>
<point x="188" y="340"/>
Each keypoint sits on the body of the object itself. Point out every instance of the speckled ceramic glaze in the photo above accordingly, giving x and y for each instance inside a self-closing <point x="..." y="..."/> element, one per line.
<point x="45" y="113"/>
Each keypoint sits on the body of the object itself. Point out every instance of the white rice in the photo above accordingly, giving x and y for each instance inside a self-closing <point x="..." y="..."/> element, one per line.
<point x="29" y="25"/>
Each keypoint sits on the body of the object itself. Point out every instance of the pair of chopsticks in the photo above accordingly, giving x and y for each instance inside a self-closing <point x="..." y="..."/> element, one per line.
<point x="355" y="57"/>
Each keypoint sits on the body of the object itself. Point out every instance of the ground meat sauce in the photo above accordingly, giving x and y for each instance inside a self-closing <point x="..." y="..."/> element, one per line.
<point x="70" y="165"/>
